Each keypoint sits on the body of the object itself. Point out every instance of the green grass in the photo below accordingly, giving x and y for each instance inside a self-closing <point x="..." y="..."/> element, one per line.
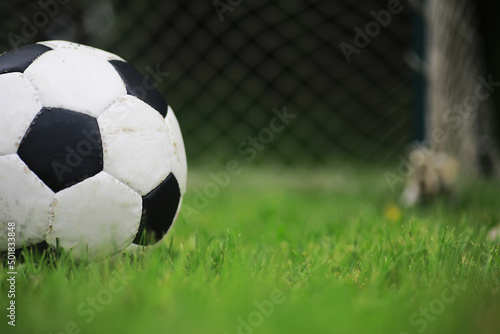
<point x="319" y="243"/>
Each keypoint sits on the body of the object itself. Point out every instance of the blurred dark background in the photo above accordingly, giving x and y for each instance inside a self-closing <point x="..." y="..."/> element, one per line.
<point x="228" y="71"/>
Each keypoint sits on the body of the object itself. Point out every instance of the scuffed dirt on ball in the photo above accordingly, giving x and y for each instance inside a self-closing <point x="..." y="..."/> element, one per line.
<point x="54" y="203"/>
<point x="52" y="209"/>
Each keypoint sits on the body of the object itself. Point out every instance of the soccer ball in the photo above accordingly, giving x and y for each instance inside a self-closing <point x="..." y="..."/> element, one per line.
<point x="91" y="155"/>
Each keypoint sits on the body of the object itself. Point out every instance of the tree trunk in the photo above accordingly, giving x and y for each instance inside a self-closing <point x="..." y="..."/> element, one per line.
<point x="460" y="110"/>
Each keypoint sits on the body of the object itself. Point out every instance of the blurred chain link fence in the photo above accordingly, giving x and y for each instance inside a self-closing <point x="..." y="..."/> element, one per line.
<point x="224" y="66"/>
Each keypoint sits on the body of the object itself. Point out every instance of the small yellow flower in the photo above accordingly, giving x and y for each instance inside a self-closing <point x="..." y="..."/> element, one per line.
<point x="392" y="213"/>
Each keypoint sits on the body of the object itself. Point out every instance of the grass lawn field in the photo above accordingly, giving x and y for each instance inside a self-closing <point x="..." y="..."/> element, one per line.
<point x="284" y="251"/>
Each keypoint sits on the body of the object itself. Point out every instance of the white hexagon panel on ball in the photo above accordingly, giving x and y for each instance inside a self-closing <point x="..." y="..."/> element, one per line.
<point x="24" y="200"/>
<point x="100" y="213"/>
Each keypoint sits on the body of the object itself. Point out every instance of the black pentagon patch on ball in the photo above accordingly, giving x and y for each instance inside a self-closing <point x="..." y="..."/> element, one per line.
<point x="18" y="60"/>
<point x="62" y="147"/>
<point x="140" y="87"/>
<point x="158" y="213"/>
